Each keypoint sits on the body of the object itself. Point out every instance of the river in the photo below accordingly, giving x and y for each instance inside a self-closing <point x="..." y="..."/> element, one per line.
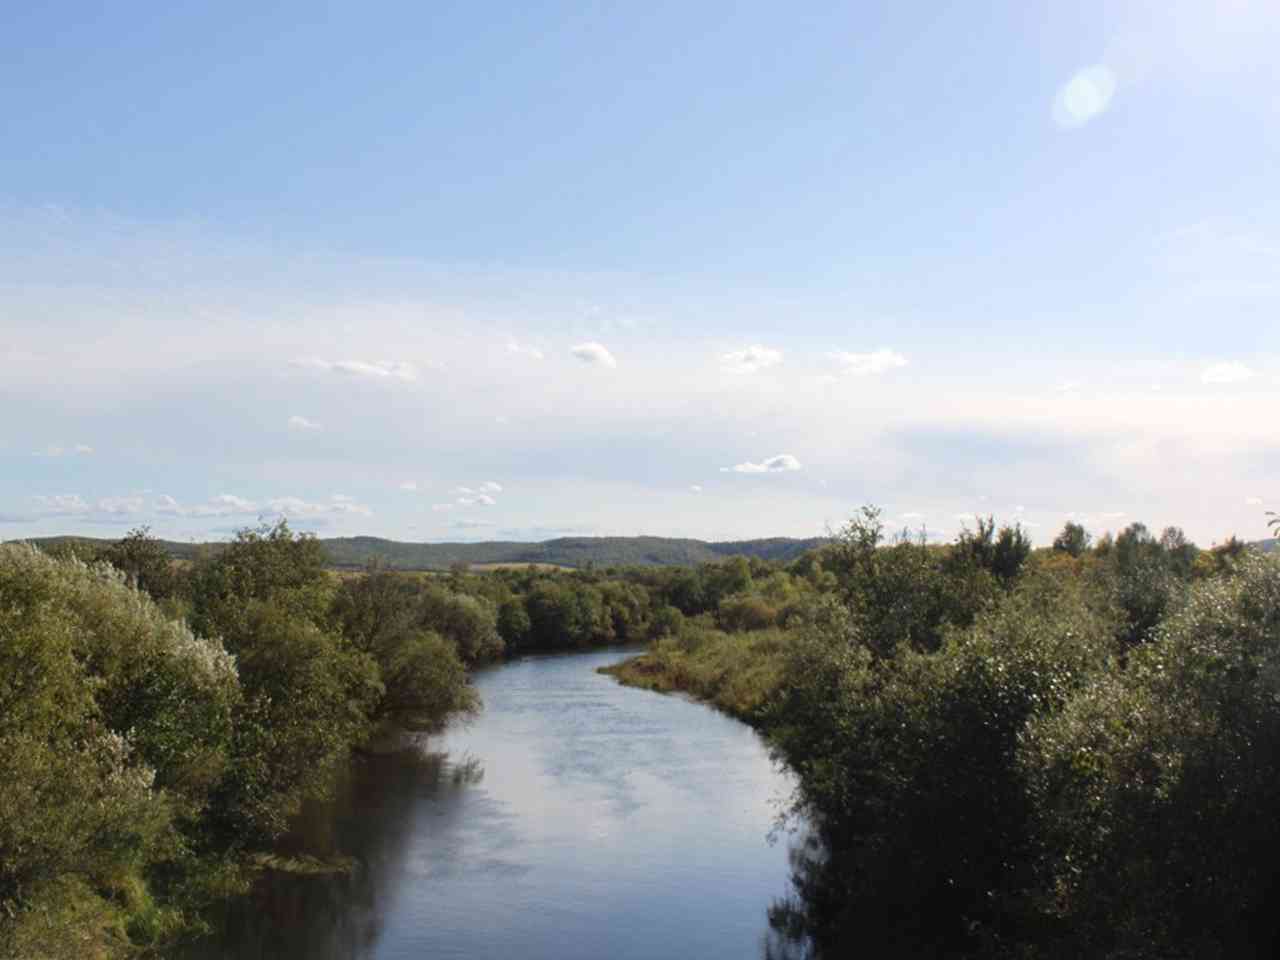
<point x="574" y="818"/>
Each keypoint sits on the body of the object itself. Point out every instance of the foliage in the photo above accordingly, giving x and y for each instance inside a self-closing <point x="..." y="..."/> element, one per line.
<point x="734" y="672"/>
<point x="1156" y="787"/>
<point x="1073" y="539"/>
<point x="114" y="723"/>
<point x="145" y="561"/>
<point x="422" y="673"/>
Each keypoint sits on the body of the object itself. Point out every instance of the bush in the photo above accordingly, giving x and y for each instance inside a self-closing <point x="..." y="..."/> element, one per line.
<point x="745" y="613"/>
<point x="114" y="727"/>
<point x="1156" y="788"/>
<point x="908" y="765"/>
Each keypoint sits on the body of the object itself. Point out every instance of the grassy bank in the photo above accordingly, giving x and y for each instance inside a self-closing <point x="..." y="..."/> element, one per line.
<point x="734" y="672"/>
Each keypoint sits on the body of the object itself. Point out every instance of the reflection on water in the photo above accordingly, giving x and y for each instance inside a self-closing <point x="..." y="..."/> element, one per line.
<point x="574" y="819"/>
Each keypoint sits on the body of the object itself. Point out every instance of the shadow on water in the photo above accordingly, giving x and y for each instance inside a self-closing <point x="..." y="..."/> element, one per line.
<point x="339" y="915"/>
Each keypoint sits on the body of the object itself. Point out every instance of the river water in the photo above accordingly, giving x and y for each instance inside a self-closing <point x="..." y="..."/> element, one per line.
<point x="574" y="818"/>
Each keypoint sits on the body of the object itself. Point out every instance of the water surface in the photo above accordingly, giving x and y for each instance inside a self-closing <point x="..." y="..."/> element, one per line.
<point x="575" y="818"/>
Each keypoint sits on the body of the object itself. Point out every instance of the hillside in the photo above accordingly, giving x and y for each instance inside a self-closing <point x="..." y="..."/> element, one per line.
<point x="354" y="552"/>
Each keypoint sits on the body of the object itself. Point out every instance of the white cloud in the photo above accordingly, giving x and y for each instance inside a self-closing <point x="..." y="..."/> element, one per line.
<point x="533" y="353"/>
<point x="1253" y="501"/>
<point x="864" y="364"/>
<point x="442" y="507"/>
<point x="480" y="491"/>
<point x="750" y="359"/>
<point x="594" y="353"/>
<point x="297" y="507"/>
<point x="477" y="499"/>
<point x="1085" y="96"/>
<point x="1226" y="372"/>
<point x="61" y="504"/>
<point x="409" y="486"/>
<point x="223" y="505"/>
<point x="374" y="370"/>
<point x="695" y="487"/>
<point x="54" y="450"/>
<point x="302" y="423"/>
<point x="781" y="463"/>
<point x="121" y="505"/>
<point x="911" y="515"/>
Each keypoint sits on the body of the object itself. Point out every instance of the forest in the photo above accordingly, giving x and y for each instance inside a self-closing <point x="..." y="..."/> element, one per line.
<point x="1000" y="750"/>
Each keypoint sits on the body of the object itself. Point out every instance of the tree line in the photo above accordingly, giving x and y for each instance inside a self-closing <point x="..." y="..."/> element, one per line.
<point x="1007" y="752"/>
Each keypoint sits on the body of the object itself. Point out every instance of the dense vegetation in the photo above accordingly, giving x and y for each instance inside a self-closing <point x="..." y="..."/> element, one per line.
<point x="162" y="723"/>
<point x="355" y="553"/>
<point x="1004" y="752"/>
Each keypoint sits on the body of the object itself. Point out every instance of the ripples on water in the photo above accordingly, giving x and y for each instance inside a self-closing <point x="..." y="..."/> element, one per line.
<point x="574" y="818"/>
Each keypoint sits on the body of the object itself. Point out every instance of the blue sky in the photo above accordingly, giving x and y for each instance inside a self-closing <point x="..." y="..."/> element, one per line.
<point x="461" y="271"/>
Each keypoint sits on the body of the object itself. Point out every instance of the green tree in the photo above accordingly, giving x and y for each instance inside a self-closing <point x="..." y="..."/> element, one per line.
<point x="423" y="678"/>
<point x="1156" y="786"/>
<point x="145" y="561"/>
<point x="1073" y="539"/>
<point x="115" y="724"/>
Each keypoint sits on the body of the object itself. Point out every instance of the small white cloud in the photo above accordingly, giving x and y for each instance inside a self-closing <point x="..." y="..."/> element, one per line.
<point x="56" y="450"/>
<point x="911" y="515"/>
<point x="342" y="498"/>
<point x="1253" y="501"/>
<point x="695" y="488"/>
<point x="374" y="370"/>
<point x="750" y="359"/>
<point x="477" y="499"/>
<point x="409" y="486"/>
<point x="1226" y="372"/>
<point x="1068" y="386"/>
<point x="782" y="463"/>
<point x="298" y="507"/>
<point x="121" y="505"/>
<point x="61" y="504"/>
<point x="594" y="353"/>
<point x="1085" y="96"/>
<point x="225" y="505"/>
<point x="864" y="364"/>
<point x="465" y="491"/>
<point x="442" y="507"/>
<point x="490" y="486"/>
<point x="533" y="353"/>
<point x="302" y="423"/>
<point x="1019" y="509"/>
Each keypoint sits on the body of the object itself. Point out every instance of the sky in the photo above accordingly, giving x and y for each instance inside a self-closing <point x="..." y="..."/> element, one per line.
<point x="719" y="270"/>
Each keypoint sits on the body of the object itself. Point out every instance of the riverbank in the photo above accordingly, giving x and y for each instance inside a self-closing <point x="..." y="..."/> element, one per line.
<point x="734" y="672"/>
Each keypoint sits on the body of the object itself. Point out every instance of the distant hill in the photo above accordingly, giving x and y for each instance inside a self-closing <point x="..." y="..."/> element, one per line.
<point x="354" y="552"/>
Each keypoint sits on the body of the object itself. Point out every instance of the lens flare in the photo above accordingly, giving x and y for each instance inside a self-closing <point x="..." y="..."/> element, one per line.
<point x="1084" y="96"/>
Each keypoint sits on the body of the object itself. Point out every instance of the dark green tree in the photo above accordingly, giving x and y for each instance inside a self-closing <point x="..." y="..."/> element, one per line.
<point x="1073" y="539"/>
